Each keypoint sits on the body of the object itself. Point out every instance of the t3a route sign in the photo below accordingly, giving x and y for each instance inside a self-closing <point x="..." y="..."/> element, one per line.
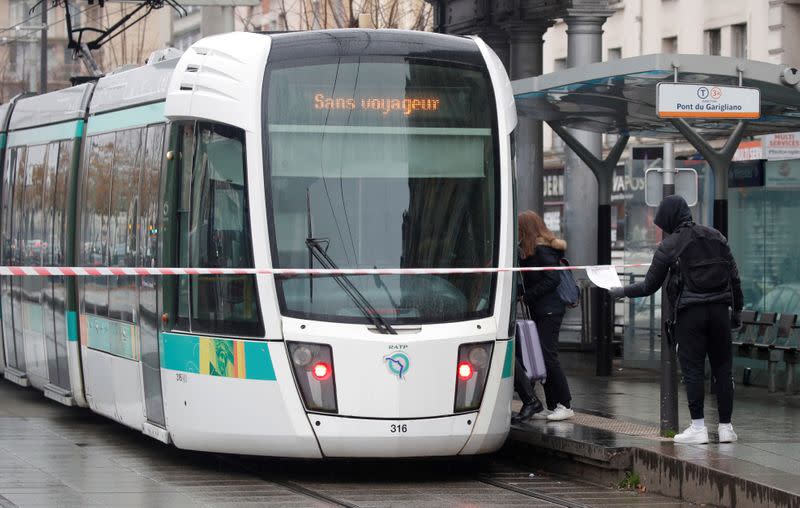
<point x="686" y="100"/>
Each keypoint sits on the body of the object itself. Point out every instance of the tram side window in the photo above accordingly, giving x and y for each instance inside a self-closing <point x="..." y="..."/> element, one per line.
<point x="148" y="196"/>
<point x="50" y="205"/>
<point x="60" y="207"/>
<point x="218" y="235"/>
<point x="94" y="223"/>
<point x="6" y="228"/>
<point x="128" y="159"/>
<point x="16" y="207"/>
<point x="33" y="228"/>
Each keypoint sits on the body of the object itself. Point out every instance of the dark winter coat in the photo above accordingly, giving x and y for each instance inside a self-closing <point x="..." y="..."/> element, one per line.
<point x="540" y="287"/>
<point x="674" y="217"/>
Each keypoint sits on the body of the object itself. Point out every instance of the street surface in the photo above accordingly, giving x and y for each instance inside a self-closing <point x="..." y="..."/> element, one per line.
<point x="51" y="455"/>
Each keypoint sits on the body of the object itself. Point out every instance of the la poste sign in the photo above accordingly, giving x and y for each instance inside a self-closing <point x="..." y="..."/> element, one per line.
<point x="686" y="100"/>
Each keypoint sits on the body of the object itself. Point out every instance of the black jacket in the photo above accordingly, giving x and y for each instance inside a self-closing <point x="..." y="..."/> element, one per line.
<point x="540" y="287"/>
<point x="674" y="217"/>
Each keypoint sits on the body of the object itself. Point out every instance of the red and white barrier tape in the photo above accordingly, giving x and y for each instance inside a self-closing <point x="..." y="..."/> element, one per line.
<point x="82" y="271"/>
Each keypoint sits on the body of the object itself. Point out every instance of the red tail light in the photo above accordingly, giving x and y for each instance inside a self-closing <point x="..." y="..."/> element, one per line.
<point x="322" y="371"/>
<point x="465" y="371"/>
<point x="312" y="364"/>
<point x="472" y="370"/>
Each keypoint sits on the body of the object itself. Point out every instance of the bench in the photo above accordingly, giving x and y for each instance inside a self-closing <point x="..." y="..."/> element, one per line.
<point x="765" y="336"/>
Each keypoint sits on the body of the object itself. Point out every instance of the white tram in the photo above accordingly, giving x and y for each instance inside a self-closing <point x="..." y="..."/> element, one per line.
<point x="325" y="149"/>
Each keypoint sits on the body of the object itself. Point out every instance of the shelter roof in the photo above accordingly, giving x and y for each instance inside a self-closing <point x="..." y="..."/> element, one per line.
<point x="619" y="96"/>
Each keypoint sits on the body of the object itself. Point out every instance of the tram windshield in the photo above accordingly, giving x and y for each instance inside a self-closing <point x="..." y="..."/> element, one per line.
<point x="383" y="163"/>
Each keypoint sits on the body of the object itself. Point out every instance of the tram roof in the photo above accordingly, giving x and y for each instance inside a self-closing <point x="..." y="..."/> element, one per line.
<point x="50" y="108"/>
<point x="132" y="86"/>
<point x="619" y="96"/>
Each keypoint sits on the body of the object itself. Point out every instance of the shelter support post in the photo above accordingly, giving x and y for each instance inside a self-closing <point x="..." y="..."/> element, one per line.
<point x="719" y="160"/>
<point x="603" y="310"/>
<point x="669" y="359"/>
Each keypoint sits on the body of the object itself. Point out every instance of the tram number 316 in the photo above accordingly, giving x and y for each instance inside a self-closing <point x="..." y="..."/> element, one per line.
<point x="398" y="428"/>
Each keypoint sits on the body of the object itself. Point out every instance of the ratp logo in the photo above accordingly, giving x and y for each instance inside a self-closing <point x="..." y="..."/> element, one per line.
<point x="398" y="363"/>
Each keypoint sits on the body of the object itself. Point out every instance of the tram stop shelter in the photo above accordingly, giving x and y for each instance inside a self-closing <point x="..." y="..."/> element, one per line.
<point x="619" y="97"/>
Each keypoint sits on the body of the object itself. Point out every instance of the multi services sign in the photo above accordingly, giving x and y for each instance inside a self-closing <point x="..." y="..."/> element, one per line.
<point x="686" y="100"/>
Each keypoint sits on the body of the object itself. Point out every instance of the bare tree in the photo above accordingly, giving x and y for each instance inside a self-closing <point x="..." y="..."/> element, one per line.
<point x="131" y="45"/>
<point x="311" y="14"/>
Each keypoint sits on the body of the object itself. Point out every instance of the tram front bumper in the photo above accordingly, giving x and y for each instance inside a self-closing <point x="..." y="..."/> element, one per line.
<point x="365" y="437"/>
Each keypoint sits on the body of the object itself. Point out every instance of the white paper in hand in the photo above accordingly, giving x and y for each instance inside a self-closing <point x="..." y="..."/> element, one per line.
<point x="604" y="276"/>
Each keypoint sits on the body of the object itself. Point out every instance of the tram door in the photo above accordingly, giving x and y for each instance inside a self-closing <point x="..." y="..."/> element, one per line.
<point x="14" y="341"/>
<point x="55" y="292"/>
<point x="33" y="243"/>
<point x="7" y="230"/>
<point x="148" y="285"/>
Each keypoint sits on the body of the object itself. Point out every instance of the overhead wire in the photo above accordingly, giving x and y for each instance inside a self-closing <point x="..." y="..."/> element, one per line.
<point x="50" y="25"/>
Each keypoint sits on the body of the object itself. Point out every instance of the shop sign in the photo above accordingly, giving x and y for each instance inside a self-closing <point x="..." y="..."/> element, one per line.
<point x="553" y="186"/>
<point x="748" y="151"/>
<point x="782" y="174"/>
<point x="746" y="174"/>
<point x="686" y="100"/>
<point x="781" y="146"/>
<point x="552" y="220"/>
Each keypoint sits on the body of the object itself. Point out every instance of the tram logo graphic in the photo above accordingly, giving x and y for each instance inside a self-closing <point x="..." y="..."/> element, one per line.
<point x="397" y="363"/>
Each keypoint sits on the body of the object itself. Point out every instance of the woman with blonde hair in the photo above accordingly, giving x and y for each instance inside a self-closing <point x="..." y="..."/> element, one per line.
<point x="540" y="247"/>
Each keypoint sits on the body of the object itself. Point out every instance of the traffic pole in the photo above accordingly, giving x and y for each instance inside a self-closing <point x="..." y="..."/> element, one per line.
<point x="43" y="51"/>
<point x="669" y="360"/>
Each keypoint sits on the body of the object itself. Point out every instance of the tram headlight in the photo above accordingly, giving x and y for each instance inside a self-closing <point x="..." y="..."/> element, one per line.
<point x="302" y="356"/>
<point x="312" y="365"/>
<point x="472" y="370"/>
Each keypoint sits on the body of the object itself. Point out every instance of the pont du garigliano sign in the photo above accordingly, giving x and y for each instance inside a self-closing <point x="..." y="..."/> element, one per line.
<point x="687" y="100"/>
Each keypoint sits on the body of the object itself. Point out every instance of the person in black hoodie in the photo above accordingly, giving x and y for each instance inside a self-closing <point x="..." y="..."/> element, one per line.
<point x="703" y="288"/>
<point x="540" y="247"/>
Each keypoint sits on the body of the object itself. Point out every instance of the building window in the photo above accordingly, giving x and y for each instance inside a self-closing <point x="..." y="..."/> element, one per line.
<point x="713" y="42"/>
<point x="739" y="41"/>
<point x="614" y="54"/>
<point x="669" y="45"/>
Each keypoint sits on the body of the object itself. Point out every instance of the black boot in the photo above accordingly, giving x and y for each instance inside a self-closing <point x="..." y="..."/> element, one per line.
<point x="529" y="409"/>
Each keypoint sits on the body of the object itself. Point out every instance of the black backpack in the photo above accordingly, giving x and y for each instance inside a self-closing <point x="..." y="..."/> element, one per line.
<point x="700" y="267"/>
<point x="568" y="290"/>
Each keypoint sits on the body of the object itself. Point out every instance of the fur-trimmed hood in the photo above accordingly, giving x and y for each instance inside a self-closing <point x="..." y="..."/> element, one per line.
<point x="556" y="243"/>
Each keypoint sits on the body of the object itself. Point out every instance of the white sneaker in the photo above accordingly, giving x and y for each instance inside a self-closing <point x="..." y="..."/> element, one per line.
<point x="692" y="436"/>
<point x="560" y="413"/>
<point x="726" y="433"/>
<point x="541" y="415"/>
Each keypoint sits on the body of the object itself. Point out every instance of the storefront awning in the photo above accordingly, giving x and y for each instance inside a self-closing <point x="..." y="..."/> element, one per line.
<point x="619" y="96"/>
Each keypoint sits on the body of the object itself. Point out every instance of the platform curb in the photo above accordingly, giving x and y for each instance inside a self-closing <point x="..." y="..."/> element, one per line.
<point x="669" y="476"/>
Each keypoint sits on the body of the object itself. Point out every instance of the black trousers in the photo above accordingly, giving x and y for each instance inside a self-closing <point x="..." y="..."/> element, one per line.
<point x="522" y="384"/>
<point x="556" y="388"/>
<point x="705" y="330"/>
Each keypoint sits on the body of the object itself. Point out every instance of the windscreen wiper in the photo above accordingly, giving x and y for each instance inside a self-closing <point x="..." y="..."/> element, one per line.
<point x="315" y="247"/>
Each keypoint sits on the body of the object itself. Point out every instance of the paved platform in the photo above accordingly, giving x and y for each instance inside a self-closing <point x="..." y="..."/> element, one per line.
<point x="617" y="430"/>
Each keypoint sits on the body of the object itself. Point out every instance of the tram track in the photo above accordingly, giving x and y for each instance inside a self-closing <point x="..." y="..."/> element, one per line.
<point x="530" y="493"/>
<point x="251" y="466"/>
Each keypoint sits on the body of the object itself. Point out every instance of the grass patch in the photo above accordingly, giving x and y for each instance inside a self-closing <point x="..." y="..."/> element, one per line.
<point x="630" y="482"/>
<point x="669" y="433"/>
